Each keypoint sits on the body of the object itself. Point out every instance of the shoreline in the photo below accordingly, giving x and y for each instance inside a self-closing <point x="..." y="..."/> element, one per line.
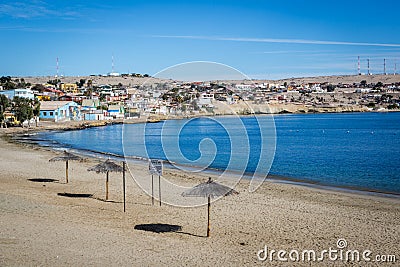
<point x="297" y="181"/>
<point x="42" y="226"/>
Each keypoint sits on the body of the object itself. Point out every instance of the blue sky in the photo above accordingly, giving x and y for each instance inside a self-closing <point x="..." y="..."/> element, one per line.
<point x="263" y="39"/>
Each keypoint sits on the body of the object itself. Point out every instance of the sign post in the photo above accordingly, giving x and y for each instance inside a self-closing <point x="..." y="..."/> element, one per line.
<point x="123" y="181"/>
<point x="155" y="167"/>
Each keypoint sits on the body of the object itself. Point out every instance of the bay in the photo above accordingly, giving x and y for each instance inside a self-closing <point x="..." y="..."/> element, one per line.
<point x="353" y="150"/>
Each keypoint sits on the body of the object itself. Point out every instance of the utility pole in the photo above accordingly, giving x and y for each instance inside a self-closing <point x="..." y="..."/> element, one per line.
<point x="384" y="66"/>
<point x="358" y="66"/>
<point x="369" y="73"/>
<point x="112" y="63"/>
<point x="57" y="68"/>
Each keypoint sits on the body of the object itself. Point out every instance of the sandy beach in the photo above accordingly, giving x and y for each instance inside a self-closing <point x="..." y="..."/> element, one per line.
<point x="39" y="227"/>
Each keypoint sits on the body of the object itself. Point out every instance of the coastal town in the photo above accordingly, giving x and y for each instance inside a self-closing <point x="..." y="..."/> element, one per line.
<point x="130" y="96"/>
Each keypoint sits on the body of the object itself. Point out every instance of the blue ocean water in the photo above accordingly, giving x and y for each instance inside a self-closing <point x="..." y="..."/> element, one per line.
<point x="357" y="150"/>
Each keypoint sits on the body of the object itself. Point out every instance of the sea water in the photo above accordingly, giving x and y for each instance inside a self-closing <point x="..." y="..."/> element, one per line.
<point x="356" y="150"/>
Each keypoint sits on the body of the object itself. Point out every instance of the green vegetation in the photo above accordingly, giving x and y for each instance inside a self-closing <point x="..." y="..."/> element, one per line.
<point x="4" y="104"/>
<point x="378" y="85"/>
<point x="81" y="83"/>
<point x="22" y="108"/>
<point x="7" y="83"/>
<point x="330" y="88"/>
<point x="54" y="82"/>
<point x="363" y="83"/>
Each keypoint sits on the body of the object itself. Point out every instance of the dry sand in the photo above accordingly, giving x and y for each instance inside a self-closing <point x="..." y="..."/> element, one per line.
<point x="40" y="228"/>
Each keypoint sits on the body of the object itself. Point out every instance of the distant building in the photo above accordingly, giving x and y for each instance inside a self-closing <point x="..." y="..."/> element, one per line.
<point x="69" y="88"/>
<point x="205" y="99"/>
<point x="90" y="104"/>
<point x="89" y="110"/>
<point x="93" y="115"/>
<point x="21" y="92"/>
<point x="59" y="111"/>
<point x="244" y="86"/>
<point x="70" y="97"/>
<point x="115" y="111"/>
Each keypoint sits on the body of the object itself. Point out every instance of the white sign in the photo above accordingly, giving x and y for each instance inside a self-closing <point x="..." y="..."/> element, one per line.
<point x="156" y="167"/>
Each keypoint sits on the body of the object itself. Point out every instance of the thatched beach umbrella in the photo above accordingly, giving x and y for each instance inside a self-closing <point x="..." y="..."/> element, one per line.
<point x="209" y="189"/>
<point x="66" y="156"/>
<point x="107" y="167"/>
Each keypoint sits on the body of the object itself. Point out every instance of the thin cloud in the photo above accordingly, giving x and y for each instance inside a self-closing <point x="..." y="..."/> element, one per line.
<point x="273" y="40"/>
<point x="34" y="9"/>
<point x="282" y="52"/>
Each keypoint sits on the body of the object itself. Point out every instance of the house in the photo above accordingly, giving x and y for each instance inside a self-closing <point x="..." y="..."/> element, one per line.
<point x="90" y="104"/>
<point x="20" y="92"/>
<point x="59" y="111"/>
<point x="115" y="111"/>
<point x="89" y="110"/>
<point x="93" y="115"/>
<point x="244" y="86"/>
<point x="69" y="87"/>
<point x="49" y="93"/>
<point x="53" y="92"/>
<point x="74" y="98"/>
<point x="206" y="99"/>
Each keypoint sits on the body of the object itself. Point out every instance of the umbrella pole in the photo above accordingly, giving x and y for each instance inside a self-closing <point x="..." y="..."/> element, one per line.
<point x="123" y="181"/>
<point x="159" y="188"/>
<point x="152" y="190"/>
<point x="107" y="186"/>
<point x="66" y="171"/>
<point x="208" y="217"/>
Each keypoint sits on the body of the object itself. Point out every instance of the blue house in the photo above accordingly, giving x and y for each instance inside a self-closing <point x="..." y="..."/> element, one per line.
<point x="93" y="115"/>
<point x="21" y="92"/>
<point x="59" y="111"/>
<point x="116" y="111"/>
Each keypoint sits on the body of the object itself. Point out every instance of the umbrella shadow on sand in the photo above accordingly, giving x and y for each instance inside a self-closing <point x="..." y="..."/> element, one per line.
<point x="163" y="228"/>
<point x="104" y="200"/>
<point x="158" y="227"/>
<point x="71" y="195"/>
<point x="85" y="195"/>
<point x="43" y="180"/>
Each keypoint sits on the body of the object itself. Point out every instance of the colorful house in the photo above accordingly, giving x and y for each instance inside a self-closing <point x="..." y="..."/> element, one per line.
<point x="20" y="92"/>
<point x="59" y="111"/>
<point x="69" y="88"/>
<point x="93" y="115"/>
<point x="90" y="104"/>
<point x="115" y="111"/>
<point x="89" y="110"/>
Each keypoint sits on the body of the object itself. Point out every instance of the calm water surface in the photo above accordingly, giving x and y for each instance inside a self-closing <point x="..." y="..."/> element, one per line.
<point x="360" y="150"/>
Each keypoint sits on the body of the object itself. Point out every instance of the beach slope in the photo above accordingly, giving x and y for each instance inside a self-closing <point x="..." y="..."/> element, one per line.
<point x="39" y="225"/>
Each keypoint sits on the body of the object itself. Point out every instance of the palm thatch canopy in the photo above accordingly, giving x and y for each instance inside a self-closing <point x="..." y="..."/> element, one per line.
<point x="65" y="156"/>
<point x="107" y="166"/>
<point x="209" y="189"/>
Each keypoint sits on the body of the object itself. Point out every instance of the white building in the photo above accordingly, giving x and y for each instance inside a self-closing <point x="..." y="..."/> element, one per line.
<point x="21" y="92"/>
<point x="206" y="99"/>
<point x="244" y="86"/>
